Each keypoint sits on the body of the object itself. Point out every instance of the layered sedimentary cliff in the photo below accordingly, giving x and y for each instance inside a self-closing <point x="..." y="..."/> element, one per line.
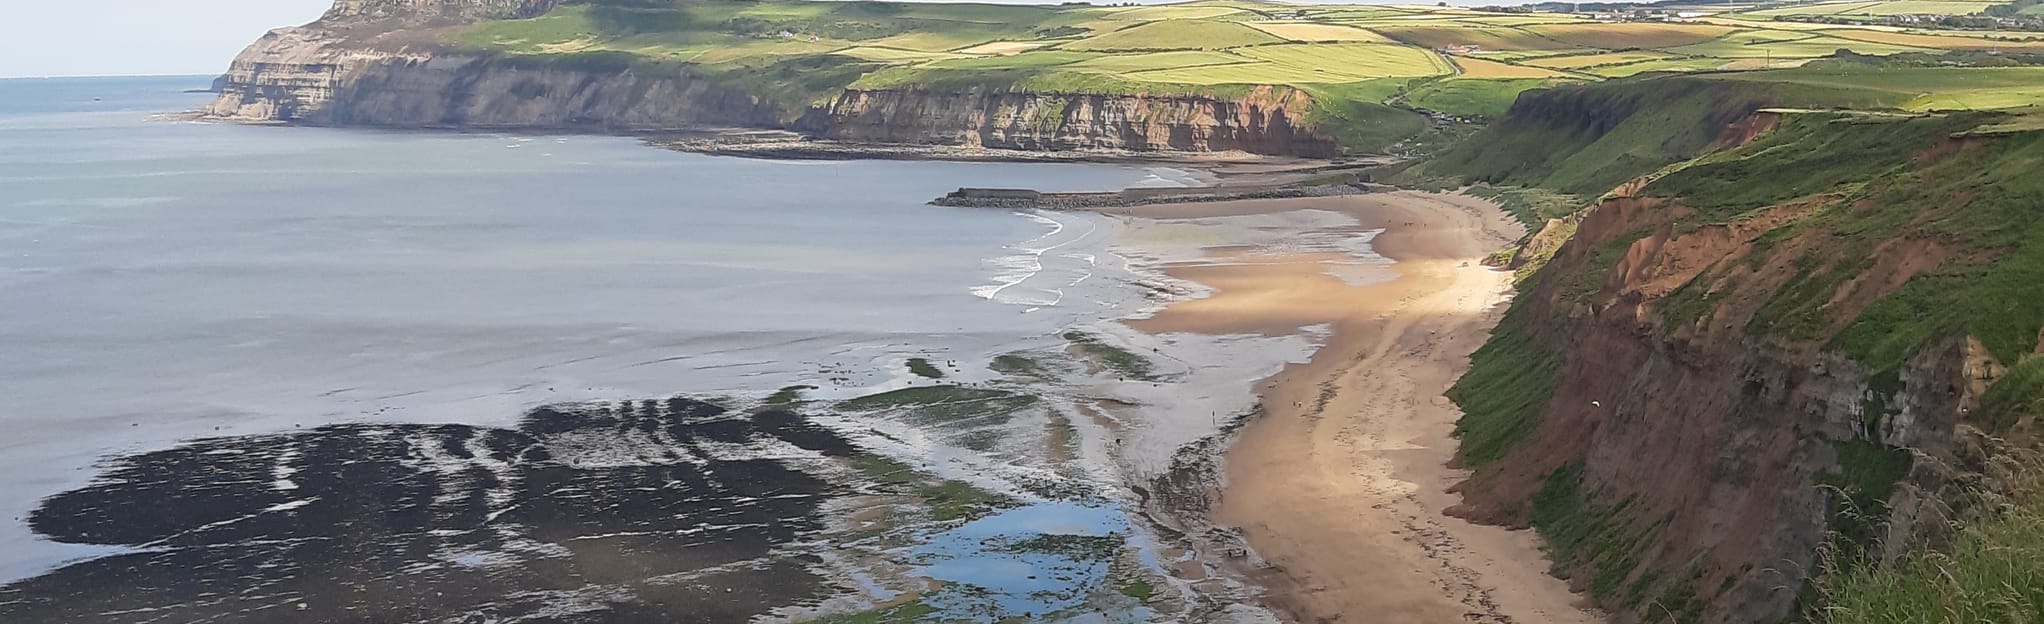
<point x="375" y="63"/>
<point x="1267" y="121"/>
<point x="1774" y="351"/>
<point x="328" y="85"/>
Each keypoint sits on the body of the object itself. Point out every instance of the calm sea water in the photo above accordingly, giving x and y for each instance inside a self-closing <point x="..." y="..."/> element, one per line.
<point x="162" y="281"/>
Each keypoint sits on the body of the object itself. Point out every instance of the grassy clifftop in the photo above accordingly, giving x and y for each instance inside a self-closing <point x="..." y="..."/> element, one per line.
<point x="1368" y="67"/>
<point x="1759" y="229"/>
<point x="1588" y="139"/>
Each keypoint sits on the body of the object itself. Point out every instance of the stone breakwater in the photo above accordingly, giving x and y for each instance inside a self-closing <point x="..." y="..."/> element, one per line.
<point x="785" y="145"/>
<point x="1019" y="199"/>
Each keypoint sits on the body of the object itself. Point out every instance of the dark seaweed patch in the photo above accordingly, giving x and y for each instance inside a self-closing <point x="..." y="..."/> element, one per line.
<point x="635" y="511"/>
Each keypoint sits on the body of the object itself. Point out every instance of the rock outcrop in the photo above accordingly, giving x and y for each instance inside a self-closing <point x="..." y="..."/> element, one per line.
<point x="381" y="63"/>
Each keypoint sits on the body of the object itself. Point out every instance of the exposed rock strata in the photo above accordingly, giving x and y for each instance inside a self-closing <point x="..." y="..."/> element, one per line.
<point x="1267" y="121"/>
<point x="1701" y="460"/>
<point x="314" y="76"/>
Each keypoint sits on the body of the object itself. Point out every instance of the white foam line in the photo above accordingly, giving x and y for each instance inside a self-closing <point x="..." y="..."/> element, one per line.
<point x="214" y="525"/>
<point x="1056" y="227"/>
<point x="688" y="531"/>
<point x="1035" y="256"/>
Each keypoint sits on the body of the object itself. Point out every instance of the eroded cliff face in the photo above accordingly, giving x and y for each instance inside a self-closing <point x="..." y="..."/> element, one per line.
<point x="383" y="63"/>
<point x="454" y="91"/>
<point x="1724" y="375"/>
<point x="1267" y="121"/>
<point x="1689" y="461"/>
<point x="350" y="74"/>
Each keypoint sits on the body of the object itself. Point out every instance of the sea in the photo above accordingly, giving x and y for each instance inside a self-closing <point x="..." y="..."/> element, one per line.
<point x="328" y="371"/>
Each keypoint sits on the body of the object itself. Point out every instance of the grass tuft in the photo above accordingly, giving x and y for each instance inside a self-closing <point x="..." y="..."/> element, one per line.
<point x="1993" y="572"/>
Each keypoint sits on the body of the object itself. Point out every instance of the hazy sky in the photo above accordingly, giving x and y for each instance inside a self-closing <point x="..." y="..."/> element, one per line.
<point x="122" y="37"/>
<point x="134" y="37"/>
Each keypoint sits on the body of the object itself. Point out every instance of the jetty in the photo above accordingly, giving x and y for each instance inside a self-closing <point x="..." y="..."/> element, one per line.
<point x="1025" y="199"/>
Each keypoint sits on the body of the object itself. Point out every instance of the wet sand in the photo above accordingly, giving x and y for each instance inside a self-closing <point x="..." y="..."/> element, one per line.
<point x="1338" y="487"/>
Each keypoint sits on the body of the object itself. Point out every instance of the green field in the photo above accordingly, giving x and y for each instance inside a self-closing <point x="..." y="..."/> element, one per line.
<point x="1311" y="32"/>
<point x="1148" y="61"/>
<point x="1468" y="96"/>
<point x="805" y="52"/>
<point x="1630" y="36"/>
<point x="1370" y="60"/>
<point x="1897" y="7"/>
<point x="1806" y="47"/>
<point x="1177" y="34"/>
<point x="1153" y="13"/>
<point x="1923" y="88"/>
<point x="1575" y="61"/>
<point x="1486" y="37"/>
<point x="1625" y="70"/>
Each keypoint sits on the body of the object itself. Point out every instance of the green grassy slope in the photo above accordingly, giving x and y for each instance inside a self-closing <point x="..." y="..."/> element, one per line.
<point x="799" y="53"/>
<point x="1586" y="140"/>
<point x="1870" y="185"/>
<point x="1993" y="572"/>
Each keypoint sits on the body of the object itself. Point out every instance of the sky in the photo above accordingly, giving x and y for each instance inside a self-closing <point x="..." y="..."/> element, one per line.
<point x="137" y="37"/>
<point x="164" y="37"/>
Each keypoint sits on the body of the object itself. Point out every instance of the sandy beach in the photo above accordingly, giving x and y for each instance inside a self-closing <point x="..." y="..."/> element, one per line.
<point x="1338" y="487"/>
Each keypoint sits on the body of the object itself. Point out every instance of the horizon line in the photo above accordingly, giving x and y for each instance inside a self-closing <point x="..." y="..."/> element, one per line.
<point x="61" y="76"/>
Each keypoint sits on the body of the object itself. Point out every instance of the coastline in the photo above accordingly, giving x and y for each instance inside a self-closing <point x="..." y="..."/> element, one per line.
<point x="1312" y="563"/>
<point x="1330" y="497"/>
<point x="775" y="144"/>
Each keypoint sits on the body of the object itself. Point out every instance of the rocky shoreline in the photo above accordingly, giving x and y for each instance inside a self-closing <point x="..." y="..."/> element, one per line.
<point x="788" y="145"/>
<point x="1128" y="198"/>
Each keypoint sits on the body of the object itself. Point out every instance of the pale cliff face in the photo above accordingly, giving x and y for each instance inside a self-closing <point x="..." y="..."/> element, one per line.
<point x="1267" y="121"/>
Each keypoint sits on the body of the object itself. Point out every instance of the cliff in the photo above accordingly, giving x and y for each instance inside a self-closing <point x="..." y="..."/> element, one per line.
<point x="1266" y="121"/>
<point x="1771" y="339"/>
<point x="371" y="63"/>
<point x="288" y="78"/>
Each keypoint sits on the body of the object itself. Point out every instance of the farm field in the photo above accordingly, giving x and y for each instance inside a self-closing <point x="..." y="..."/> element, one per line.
<point x="1626" y="36"/>
<point x="1805" y="47"/>
<point x="1892" y="7"/>
<point x="1479" y="68"/>
<point x="1577" y="61"/>
<point x="1311" y="31"/>
<point x="1176" y="34"/>
<point x="1627" y="70"/>
<point x="1391" y="55"/>
<point x="1946" y="42"/>
<point x="1923" y="89"/>
<point x="1484" y="36"/>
